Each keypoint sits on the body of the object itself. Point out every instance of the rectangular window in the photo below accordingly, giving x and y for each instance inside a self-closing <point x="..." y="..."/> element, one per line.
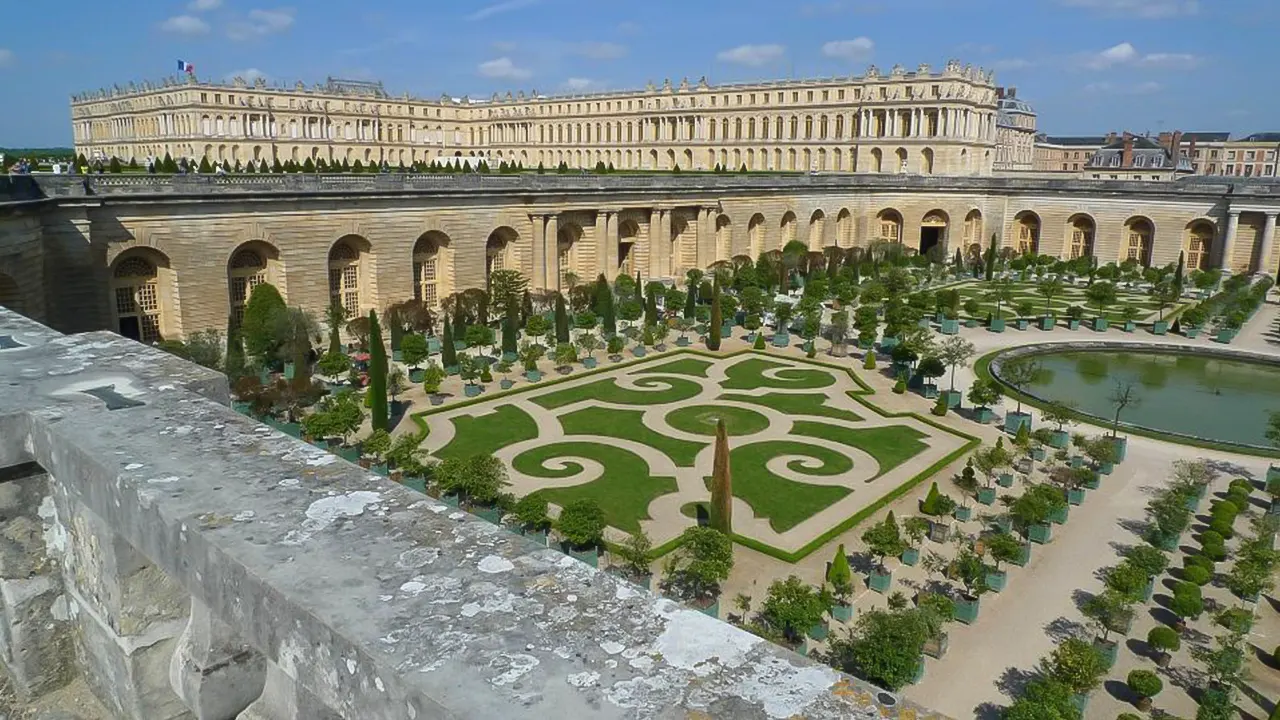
<point x="840" y="94"/>
<point x="795" y="97"/>
<point x="826" y="94"/>
<point x="231" y="99"/>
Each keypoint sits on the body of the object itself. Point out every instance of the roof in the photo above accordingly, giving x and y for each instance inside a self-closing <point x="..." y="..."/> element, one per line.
<point x="1140" y="142"/>
<point x="1264" y="137"/>
<point x="1076" y="140"/>
<point x="1206" y="136"/>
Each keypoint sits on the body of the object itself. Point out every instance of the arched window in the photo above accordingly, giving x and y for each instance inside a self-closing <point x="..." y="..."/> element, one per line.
<point x="1080" y="243"/>
<point x="1200" y="244"/>
<point x="1139" y="232"/>
<point x="344" y="277"/>
<point x="1028" y="233"/>
<point x="135" y="287"/>
<point x="890" y="223"/>
<point x="246" y="271"/>
<point x="430" y="269"/>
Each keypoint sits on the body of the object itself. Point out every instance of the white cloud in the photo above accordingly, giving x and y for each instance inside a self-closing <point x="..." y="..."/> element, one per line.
<point x="6" y="57"/>
<point x="503" y="68"/>
<point x="753" y="55"/>
<point x="855" y="50"/>
<point x="260" y="23"/>
<point x="184" y="25"/>
<point x="1171" y="61"/>
<point x="1107" y="88"/>
<point x="1126" y="54"/>
<point x="489" y="11"/>
<point x="577" y="84"/>
<point x="1011" y="65"/>
<point x="1115" y="55"/>
<point x="250" y="75"/>
<point x="204" y="5"/>
<point x="599" y="50"/>
<point x="1150" y="9"/>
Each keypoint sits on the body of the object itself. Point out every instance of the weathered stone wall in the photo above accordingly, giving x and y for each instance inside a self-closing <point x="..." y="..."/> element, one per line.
<point x="22" y="272"/>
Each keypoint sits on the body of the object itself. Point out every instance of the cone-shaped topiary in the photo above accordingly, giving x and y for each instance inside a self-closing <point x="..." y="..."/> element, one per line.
<point x="839" y="576"/>
<point x="759" y="343"/>
<point x="562" y="320"/>
<point x="377" y="375"/>
<point x="717" y="320"/>
<point x="721" y="483"/>
<point x="509" y="331"/>
<point x="448" y="353"/>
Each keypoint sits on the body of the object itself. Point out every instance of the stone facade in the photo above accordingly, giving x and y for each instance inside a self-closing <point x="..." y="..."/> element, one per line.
<point x="155" y="257"/>
<point x="926" y="122"/>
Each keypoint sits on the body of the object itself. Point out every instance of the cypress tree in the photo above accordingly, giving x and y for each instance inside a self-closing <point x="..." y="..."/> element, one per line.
<point x="276" y="167"/>
<point x="1177" y="276"/>
<point x="604" y="301"/>
<point x="639" y="290"/>
<point x="114" y="165"/>
<point x="602" y="285"/>
<point x="526" y="307"/>
<point x="460" y="324"/>
<point x="205" y="167"/>
<point x="713" y="334"/>
<point x="839" y="575"/>
<point x="395" y="327"/>
<point x="509" y="330"/>
<point x="721" y="484"/>
<point x="377" y="375"/>
<point x="562" y="320"/>
<point x="651" y="308"/>
<point x="167" y="165"/>
<point x="448" y="353"/>
<point x="308" y="166"/>
<point x="991" y="258"/>
<point x="690" y="300"/>
<point x="234" y="362"/>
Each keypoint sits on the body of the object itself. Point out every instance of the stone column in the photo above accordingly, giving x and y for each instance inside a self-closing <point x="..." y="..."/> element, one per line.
<point x="706" y="237"/>
<point x="283" y="699"/>
<point x="659" y="242"/>
<point x="213" y="669"/>
<point x="551" y="252"/>
<point x="1229" y="238"/>
<point x="610" y="245"/>
<point x="1268" y="241"/>
<point x="538" y="270"/>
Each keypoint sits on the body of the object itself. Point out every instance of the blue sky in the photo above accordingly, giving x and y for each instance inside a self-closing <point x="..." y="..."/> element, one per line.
<point x="1088" y="66"/>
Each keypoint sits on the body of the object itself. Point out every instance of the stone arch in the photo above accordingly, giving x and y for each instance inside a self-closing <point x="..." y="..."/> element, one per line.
<point x="933" y="230"/>
<point x="786" y="229"/>
<point x="568" y="237"/>
<point x="877" y="160"/>
<point x="10" y="294"/>
<point x="900" y="156"/>
<point x="926" y="161"/>
<point x="1026" y="228"/>
<point x="844" y="228"/>
<point x="499" y="249"/>
<point x="348" y="273"/>
<point x="628" y="236"/>
<point x="724" y="237"/>
<point x="889" y="225"/>
<point x="1140" y="235"/>
<point x="1198" y="244"/>
<point x="755" y="235"/>
<point x="973" y="232"/>
<point x="142" y="289"/>
<point x="817" y="229"/>
<point x="251" y="264"/>
<point x="432" y="268"/>
<point x="1081" y="231"/>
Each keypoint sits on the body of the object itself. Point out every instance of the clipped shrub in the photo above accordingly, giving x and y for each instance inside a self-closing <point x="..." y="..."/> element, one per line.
<point x="759" y="343"/>
<point x="1223" y="527"/>
<point x="1164" y="639"/>
<point x="1215" y="553"/>
<point x="1211" y="537"/>
<point x="1200" y="561"/>
<point x="1241" y="486"/>
<point x="1197" y="575"/>
<point x="1144" y="683"/>
<point x="869" y="362"/>
<point x="900" y="387"/>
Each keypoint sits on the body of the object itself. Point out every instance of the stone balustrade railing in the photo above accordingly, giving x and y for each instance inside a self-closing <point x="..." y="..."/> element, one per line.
<point x="54" y="186"/>
<point x="190" y="562"/>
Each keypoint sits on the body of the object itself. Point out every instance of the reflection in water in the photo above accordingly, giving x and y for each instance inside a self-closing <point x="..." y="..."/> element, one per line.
<point x="1226" y="400"/>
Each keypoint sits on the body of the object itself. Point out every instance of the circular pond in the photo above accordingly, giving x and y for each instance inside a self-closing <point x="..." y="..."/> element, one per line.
<point x="1211" y="397"/>
<point x="702" y="419"/>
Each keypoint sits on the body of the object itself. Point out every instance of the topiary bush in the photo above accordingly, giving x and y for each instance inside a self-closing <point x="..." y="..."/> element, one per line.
<point x="1198" y="561"/>
<point x="1211" y="537"/>
<point x="900" y="387"/>
<point x="1164" y="639"/>
<point x="869" y="362"/>
<point x="1197" y="575"/>
<point x="1240" y="485"/>
<point x="1144" y="683"/>
<point x="759" y="343"/>
<point x="1223" y="527"/>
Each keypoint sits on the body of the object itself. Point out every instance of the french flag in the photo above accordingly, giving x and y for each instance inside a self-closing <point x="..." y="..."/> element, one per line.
<point x="186" y="67"/>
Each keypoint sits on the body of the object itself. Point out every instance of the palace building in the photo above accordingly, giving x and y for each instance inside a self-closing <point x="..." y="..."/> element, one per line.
<point x="927" y="122"/>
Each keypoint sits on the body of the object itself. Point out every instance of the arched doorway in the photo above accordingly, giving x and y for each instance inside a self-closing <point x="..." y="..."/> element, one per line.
<point x="755" y="235"/>
<point x="973" y="232"/>
<point x="817" y="230"/>
<point x="787" y="229"/>
<point x="497" y="251"/>
<point x="1139" y="233"/>
<point x="432" y="269"/>
<point x="346" y="273"/>
<point x="10" y="297"/>
<point x="250" y="265"/>
<point x="889" y="226"/>
<point x="1199" y="245"/>
<point x="1081" y="231"/>
<point x="567" y="238"/>
<point x="724" y="238"/>
<point x="137" y="293"/>
<point x="628" y="235"/>
<point x="844" y="228"/>
<point x="933" y="231"/>
<point x="1026" y="233"/>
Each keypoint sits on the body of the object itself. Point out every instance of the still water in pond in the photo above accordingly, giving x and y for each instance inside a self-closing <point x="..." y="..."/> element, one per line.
<point x="1215" y="399"/>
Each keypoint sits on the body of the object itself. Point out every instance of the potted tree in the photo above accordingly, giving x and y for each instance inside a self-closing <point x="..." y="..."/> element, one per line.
<point x="581" y="525"/>
<point x="432" y="377"/>
<point x="967" y="481"/>
<point x="1004" y="548"/>
<point x="982" y="395"/>
<point x="537" y="326"/>
<point x="1164" y="641"/>
<point x="1101" y="295"/>
<point x="469" y="371"/>
<point x="884" y="539"/>
<point x="1187" y="603"/>
<point x="942" y="608"/>
<point x="936" y="505"/>
<point x="968" y="567"/>
<point x="531" y="515"/>
<point x="971" y="308"/>
<point x="684" y="325"/>
<point x="930" y="368"/>
<point x="635" y="556"/>
<point x="1164" y="294"/>
<point x="1060" y="414"/>
<point x="1145" y="685"/>
<point x="503" y="366"/>
<point x="1025" y="309"/>
<point x="954" y="352"/>
<point x="373" y="448"/>
<point x="1192" y="320"/>
<point x="915" y="528"/>
<point x="782" y="314"/>
<point x="1075" y="314"/>
<point x="1108" y="611"/>
<point x="793" y="609"/>
<point x="1031" y="511"/>
<point x="1130" y="314"/>
<point x="990" y="461"/>
<point x="1049" y="289"/>
<point x="840" y="577"/>
<point x="530" y="354"/>
<point x="1078" y="666"/>
<point x="1019" y="372"/>
<point x="1151" y="562"/>
<point x="565" y="356"/>
<point x="694" y="571"/>
<point x="998" y="294"/>
<point x="614" y="347"/>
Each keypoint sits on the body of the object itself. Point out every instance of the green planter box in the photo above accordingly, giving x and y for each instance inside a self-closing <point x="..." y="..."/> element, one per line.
<point x="919" y="674"/>
<point x="950" y="327"/>
<point x="843" y="613"/>
<point x="1075" y="496"/>
<point x="888" y="342"/>
<point x="1048" y="322"/>
<point x="1101" y="324"/>
<point x="1004" y="523"/>
<point x="781" y="340"/>
<point x="1149" y="590"/>
<point x="712" y="610"/>
<point x="1106" y="468"/>
<point x="1109" y="651"/>
<point x="288" y="371"/>
<point x="923" y="323"/>
<point x="986" y="496"/>
<point x="1005" y="480"/>
<point x="963" y="513"/>
<point x="1167" y="543"/>
<point x="879" y="581"/>
<point x="1121" y="446"/>
<point x="1160" y="327"/>
<point x="1129" y="326"/>
<point x="417" y="376"/>
<point x="997" y="325"/>
<point x="1038" y="453"/>
<point x="1040" y="533"/>
<point x="1015" y="420"/>
<point x="997" y="580"/>
<point x="682" y="342"/>
<point x="1059" y="439"/>
<point x="1077" y="461"/>
<point x="492" y="514"/>
<point x="930" y="391"/>
<point x="591" y="556"/>
<point x="1059" y="516"/>
<point x="1024" y="555"/>
<point x="983" y="415"/>
<point x="1073" y="324"/>
<point x="1022" y="323"/>
<point x="726" y="331"/>
<point x="537" y="536"/>
<point x="1191" y="332"/>
<point x="472" y="390"/>
<point x="971" y="323"/>
<point x="639" y="351"/>
<point x="966" y="610"/>
<point x="589" y="363"/>
<point x="1080" y="702"/>
<point x="819" y="631"/>
<point x="910" y="557"/>
<point x="1094" y="482"/>
<point x="506" y="384"/>
<point x="954" y="398"/>
<point x="1225" y="335"/>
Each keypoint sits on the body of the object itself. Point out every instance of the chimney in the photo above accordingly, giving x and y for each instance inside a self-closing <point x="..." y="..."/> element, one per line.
<point x="1126" y="160"/>
<point x="1111" y="137"/>
<point x="1176" y="152"/>
<point x="1011" y="93"/>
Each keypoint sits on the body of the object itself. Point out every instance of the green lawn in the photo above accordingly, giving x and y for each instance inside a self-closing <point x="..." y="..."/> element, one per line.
<point x="890" y="445"/>
<point x="1070" y="295"/>
<point x="685" y="366"/>
<point x="702" y="419"/>
<point x="486" y="434"/>
<point x="784" y="502"/>
<point x="629" y="425"/>
<point x="624" y="491"/>
<point x="814" y="404"/>
<point x="608" y="391"/>
<point x="749" y="375"/>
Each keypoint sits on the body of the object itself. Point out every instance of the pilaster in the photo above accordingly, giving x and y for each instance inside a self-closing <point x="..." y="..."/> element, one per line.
<point x="1229" y="239"/>
<point x="538" y="252"/>
<point x="551" y="253"/>
<point x="1265" y="263"/>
